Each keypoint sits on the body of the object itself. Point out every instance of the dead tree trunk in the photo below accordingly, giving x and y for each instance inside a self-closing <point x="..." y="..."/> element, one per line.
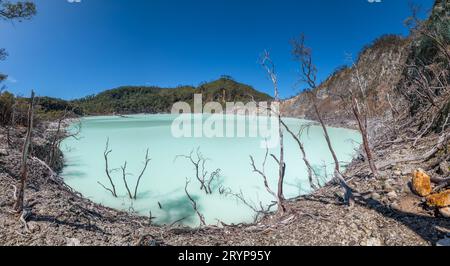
<point x="262" y="173"/>
<point x="124" y="177"/>
<point x="212" y="177"/>
<point x="201" y="173"/>
<point x="325" y="131"/>
<point x="269" y="66"/>
<point x="362" y="125"/>
<point x="146" y="162"/>
<point x="304" y="158"/>
<point x="132" y="196"/>
<point x="348" y="191"/>
<point x="56" y="138"/>
<point x="282" y="167"/>
<point x="18" y="206"/>
<point x="194" y="205"/>
<point x="107" y="171"/>
<point x="308" y="73"/>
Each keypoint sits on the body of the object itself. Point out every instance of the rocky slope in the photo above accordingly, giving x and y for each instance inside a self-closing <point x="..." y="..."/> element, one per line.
<point x="388" y="213"/>
<point x="379" y="64"/>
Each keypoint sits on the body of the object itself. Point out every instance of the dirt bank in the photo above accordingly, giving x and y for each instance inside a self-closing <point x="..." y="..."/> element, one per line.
<point x="388" y="213"/>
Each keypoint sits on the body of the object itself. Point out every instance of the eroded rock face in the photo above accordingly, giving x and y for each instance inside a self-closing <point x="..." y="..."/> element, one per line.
<point x="440" y="200"/>
<point x="381" y="66"/>
<point x="421" y="183"/>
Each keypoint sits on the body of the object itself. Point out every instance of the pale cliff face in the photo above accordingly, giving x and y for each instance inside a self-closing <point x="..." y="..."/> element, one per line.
<point x="380" y="65"/>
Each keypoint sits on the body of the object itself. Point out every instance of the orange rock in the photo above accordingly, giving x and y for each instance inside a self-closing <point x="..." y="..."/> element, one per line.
<point x="440" y="200"/>
<point x="421" y="183"/>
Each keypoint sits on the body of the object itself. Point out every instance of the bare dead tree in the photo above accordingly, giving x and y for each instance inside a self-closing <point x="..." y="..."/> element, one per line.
<point x="267" y="63"/>
<point x="132" y="196"/>
<point x="58" y="137"/>
<point x="124" y="177"/>
<point x="7" y="112"/>
<point x="146" y="162"/>
<point x="420" y="27"/>
<point x="426" y="82"/>
<point x="396" y="116"/>
<point x="361" y="111"/>
<point x="308" y="75"/>
<point x="53" y="143"/>
<point x="309" y="168"/>
<point x="201" y="174"/>
<point x="262" y="173"/>
<point x="362" y="125"/>
<point x="296" y="138"/>
<point x="260" y="211"/>
<point x="440" y="145"/>
<point x="427" y="89"/>
<point x="194" y="204"/>
<point x="108" y="171"/>
<point x="214" y="175"/>
<point x="19" y="206"/>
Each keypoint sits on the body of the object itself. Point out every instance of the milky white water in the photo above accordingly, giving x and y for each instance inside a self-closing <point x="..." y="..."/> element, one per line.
<point x="165" y="177"/>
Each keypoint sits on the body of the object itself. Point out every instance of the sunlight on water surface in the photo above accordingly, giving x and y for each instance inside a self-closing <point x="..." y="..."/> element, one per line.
<point x="165" y="177"/>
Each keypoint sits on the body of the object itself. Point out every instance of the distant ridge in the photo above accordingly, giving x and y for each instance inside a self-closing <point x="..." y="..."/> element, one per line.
<point x="151" y="99"/>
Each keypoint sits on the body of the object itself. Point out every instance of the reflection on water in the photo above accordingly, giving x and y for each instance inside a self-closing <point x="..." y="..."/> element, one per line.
<point x="164" y="180"/>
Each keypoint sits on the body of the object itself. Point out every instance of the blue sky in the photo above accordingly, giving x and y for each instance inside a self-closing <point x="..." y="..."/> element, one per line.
<point x="71" y="50"/>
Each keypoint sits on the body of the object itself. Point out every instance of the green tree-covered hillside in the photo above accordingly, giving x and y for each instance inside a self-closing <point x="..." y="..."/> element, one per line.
<point x="132" y="99"/>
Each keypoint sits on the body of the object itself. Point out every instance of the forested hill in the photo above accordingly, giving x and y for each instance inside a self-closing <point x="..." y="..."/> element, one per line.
<point x="135" y="99"/>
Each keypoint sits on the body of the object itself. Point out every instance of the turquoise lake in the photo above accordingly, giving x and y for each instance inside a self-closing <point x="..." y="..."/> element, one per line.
<point x="163" y="183"/>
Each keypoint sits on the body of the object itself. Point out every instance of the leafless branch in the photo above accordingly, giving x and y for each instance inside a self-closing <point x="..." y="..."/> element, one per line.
<point x="267" y="63"/>
<point x="194" y="204"/>
<point x="124" y="177"/>
<point x="107" y="171"/>
<point x="146" y="162"/>
<point x="308" y="74"/>
<point x="201" y="174"/>
<point x="18" y="206"/>
<point x="303" y="152"/>
<point x="262" y="173"/>
<point x="260" y="210"/>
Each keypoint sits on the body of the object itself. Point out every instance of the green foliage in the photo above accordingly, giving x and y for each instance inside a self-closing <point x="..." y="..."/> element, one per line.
<point x="126" y="100"/>
<point x="6" y="106"/>
<point x="21" y="106"/>
<point x="14" y="110"/>
<point x="17" y="10"/>
<point x="47" y="104"/>
<point x="432" y="32"/>
<point x="10" y="11"/>
<point x="3" y="54"/>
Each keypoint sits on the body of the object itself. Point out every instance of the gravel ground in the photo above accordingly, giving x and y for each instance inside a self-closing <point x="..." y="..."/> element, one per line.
<point x="387" y="213"/>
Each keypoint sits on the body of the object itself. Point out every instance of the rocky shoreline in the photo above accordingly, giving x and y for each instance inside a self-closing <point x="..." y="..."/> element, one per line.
<point x="387" y="213"/>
